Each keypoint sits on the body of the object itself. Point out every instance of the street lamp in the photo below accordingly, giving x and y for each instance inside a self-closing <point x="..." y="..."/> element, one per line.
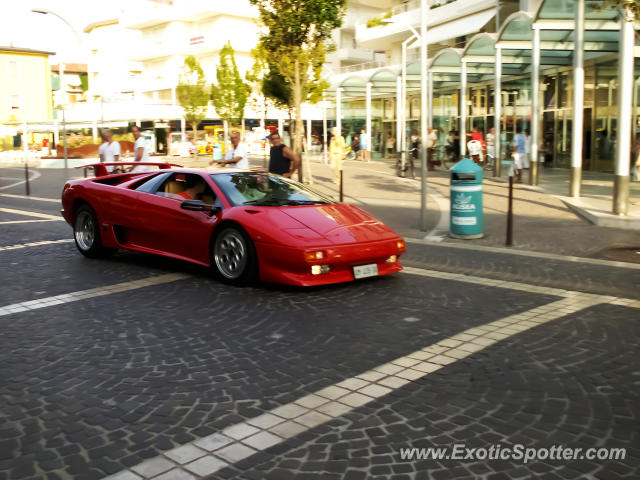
<point x="61" y="75"/>
<point x="423" y="109"/>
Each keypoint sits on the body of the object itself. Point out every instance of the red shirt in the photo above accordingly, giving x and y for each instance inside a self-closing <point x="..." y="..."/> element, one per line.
<point x="184" y="195"/>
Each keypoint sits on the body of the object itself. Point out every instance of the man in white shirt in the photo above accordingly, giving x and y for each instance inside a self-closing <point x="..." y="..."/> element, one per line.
<point x="237" y="156"/>
<point x="140" y="149"/>
<point x="432" y="140"/>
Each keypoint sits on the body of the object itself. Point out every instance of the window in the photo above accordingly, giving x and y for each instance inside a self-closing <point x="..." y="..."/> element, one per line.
<point x="15" y="101"/>
<point x="187" y="186"/>
<point x="242" y="188"/>
<point x="13" y="68"/>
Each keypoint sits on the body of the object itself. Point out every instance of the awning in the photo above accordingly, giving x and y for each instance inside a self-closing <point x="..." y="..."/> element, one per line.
<point x="461" y="26"/>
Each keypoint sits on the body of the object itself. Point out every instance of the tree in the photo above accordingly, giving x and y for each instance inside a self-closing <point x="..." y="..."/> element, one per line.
<point x="297" y="39"/>
<point x="628" y="5"/>
<point x="230" y="95"/>
<point x="192" y="93"/>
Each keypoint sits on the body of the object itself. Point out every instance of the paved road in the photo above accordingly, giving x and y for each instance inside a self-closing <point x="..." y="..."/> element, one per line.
<point x="154" y="369"/>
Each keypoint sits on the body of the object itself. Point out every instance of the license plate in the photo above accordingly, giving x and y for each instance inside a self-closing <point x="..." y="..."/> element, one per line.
<point x="364" y="271"/>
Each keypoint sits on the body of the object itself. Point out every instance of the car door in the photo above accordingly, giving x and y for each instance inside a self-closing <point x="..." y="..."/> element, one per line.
<point x="173" y="230"/>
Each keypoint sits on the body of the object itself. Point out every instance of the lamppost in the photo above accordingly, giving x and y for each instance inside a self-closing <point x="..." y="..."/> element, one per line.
<point x="43" y="11"/>
<point x="424" y="117"/>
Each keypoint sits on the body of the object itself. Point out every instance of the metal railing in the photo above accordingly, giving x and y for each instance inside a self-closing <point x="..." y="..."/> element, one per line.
<point x="361" y="66"/>
<point x="415" y="4"/>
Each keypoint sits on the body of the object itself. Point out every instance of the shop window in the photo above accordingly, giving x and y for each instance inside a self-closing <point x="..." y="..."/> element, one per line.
<point x="13" y="68"/>
<point x="15" y="101"/>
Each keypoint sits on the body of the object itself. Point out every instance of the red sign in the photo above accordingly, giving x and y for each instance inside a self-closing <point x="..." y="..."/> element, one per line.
<point x="196" y="40"/>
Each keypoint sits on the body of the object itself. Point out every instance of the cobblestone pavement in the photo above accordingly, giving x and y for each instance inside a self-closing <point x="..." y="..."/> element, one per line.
<point x="91" y="386"/>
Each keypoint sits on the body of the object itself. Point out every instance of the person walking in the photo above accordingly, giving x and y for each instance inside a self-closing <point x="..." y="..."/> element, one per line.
<point x="336" y="153"/>
<point x="140" y="150"/>
<point x="390" y="143"/>
<point x="491" y="147"/>
<point x="432" y="140"/>
<point x="364" y="145"/>
<point x="110" y="149"/>
<point x="355" y="146"/>
<point x="282" y="160"/>
<point x="519" y="154"/>
<point x="237" y="156"/>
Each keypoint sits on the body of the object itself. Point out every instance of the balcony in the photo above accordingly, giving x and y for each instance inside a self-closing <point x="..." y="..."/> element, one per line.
<point x="444" y="21"/>
<point x="354" y="55"/>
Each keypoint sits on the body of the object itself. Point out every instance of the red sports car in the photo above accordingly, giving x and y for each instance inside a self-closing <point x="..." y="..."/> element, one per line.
<point x="246" y="225"/>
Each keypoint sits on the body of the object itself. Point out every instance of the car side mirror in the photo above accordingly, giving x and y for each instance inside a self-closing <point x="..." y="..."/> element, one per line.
<point x="199" y="206"/>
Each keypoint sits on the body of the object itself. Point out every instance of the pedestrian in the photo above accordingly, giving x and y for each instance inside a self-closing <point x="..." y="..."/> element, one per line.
<point x="140" y="150"/>
<point x="282" y="160"/>
<point x="364" y="145"/>
<point x="336" y="153"/>
<point x="635" y="154"/>
<point x="432" y="140"/>
<point x="102" y="147"/>
<point x="491" y="147"/>
<point x="237" y="156"/>
<point x="390" y="143"/>
<point x="111" y="149"/>
<point x="355" y="146"/>
<point x="519" y="154"/>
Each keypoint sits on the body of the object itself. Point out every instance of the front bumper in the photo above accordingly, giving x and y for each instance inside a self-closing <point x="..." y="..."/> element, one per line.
<point x="287" y="265"/>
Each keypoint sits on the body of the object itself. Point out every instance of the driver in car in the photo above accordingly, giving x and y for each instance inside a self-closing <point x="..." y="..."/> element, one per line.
<point x="195" y="187"/>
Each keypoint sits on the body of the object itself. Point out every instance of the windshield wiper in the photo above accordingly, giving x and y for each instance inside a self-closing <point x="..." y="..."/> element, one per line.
<point x="266" y="202"/>
<point x="307" y="202"/>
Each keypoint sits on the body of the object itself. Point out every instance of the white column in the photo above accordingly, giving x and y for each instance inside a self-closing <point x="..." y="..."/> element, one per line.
<point x="94" y="129"/>
<point x="430" y="101"/>
<point x="368" y="120"/>
<point x="535" y="107"/>
<point x="424" y="10"/>
<point x="173" y="96"/>
<point x="339" y="110"/>
<point x="56" y="134"/>
<point x="402" y="137"/>
<point x="25" y="138"/>
<point x="308" y="136"/>
<point x="578" y="101"/>
<point x="324" y="130"/>
<point x="463" y="109"/>
<point x="399" y="115"/>
<point x="625" y="94"/>
<point x="497" y="112"/>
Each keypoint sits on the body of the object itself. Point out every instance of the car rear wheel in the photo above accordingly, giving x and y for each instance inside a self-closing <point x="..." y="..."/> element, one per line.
<point x="86" y="233"/>
<point x="234" y="257"/>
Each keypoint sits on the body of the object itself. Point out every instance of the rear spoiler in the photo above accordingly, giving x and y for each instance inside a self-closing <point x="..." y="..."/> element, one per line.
<point x="100" y="169"/>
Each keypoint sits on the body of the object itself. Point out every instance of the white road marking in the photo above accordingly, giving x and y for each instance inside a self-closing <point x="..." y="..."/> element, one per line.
<point x="29" y="197"/>
<point x="210" y="454"/>
<point x="27" y="213"/>
<point x="32" y="177"/>
<point x="92" y="292"/>
<point x="35" y="244"/>
<point x="525" y="253"/>
<point x="30" y="221"/>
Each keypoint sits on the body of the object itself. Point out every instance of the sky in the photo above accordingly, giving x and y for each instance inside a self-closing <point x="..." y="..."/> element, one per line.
<point x="19" y="27"/>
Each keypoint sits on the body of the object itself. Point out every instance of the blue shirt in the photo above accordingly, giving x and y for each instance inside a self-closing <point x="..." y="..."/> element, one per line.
<point x="520" y="142"/>
<point x="364" y="141"/>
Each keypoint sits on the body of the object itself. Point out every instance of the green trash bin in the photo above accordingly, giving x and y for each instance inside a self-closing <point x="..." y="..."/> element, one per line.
<point x="466" y="218"/>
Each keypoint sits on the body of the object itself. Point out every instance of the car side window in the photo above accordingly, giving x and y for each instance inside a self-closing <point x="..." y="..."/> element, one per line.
<point x="187" y="186"/>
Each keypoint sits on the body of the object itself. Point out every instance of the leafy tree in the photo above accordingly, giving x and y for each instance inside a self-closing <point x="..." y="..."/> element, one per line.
<point x="629" y="5"/>
<point x="297" y="39"/>
<point x="230" y="95"/>
<point x="192" y="93"/>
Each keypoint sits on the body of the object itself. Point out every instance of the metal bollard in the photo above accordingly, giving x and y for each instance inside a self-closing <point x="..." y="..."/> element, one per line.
<point x="26" y="176"/>
<point x="509" y="242"/>
<point x="341" y="185"/>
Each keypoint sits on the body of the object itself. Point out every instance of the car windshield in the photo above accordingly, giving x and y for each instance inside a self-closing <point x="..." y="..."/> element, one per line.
<point x="263" y="189"/>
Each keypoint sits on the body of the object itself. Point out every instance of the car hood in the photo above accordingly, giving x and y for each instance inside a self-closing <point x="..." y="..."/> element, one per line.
<point x="341" y="223"/>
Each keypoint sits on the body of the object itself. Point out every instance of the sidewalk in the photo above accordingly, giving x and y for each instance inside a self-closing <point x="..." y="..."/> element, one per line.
<point x="542" y="221"/>
<point x="595" y="203"/>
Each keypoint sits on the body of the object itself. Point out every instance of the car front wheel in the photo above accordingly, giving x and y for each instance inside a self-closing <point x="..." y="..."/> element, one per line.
<point x="234" y="257"/>
<point x="86" y="233"/>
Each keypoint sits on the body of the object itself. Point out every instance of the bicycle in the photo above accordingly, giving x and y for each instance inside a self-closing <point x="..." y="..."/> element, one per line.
<point x="409" y="164"/>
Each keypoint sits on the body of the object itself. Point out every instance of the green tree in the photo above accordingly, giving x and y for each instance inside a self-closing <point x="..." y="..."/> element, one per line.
<point x="230" y="94"/>
<point x="629" y="5"/>
<point x="297" y="39"/>
<point x="192" y="93"/>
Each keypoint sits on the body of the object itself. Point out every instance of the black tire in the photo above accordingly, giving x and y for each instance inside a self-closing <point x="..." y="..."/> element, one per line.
<point x="86" y="233"/>
<point x="233" y="256"/>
